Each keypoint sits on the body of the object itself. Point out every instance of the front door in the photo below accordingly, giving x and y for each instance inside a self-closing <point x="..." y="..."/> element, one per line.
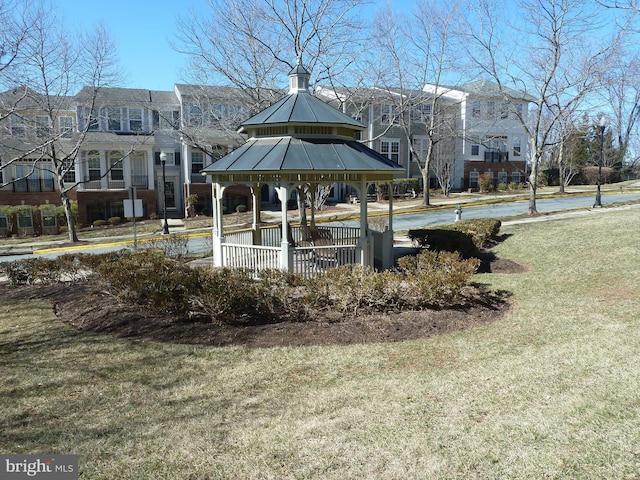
<point x="170" y="194"/>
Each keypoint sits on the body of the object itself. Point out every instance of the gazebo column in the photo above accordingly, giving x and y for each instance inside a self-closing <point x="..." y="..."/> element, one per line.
<point x="257" y="232"/>
<point x="218" y="227"/>
<point x="286" y="255"/>
<point x="364" y="241"/>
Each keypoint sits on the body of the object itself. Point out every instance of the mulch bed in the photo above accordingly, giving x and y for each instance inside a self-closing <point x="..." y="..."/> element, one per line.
<point x="87" y="308"/>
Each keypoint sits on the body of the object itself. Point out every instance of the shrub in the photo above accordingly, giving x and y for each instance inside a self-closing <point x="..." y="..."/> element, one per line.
<point x="466" y="236"/>
<point x="241" y="208"/>
<point x="502" y="186"/>
<point x="99" y="223"/>
<point x="148" y="278"/>
<point x="444" y="240"/>
<point x="437" y="277"/>
<point x="486" y="182"/>
<point x="114" y="221"/>
<point x="43" y="271"/>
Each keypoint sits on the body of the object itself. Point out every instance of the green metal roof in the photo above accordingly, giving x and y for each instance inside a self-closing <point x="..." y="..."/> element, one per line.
<point x="301" y="108"/>
<point x="294" y="154"/>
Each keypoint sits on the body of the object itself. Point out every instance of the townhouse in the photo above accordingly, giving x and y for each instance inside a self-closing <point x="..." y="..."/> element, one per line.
<point x="109" y="141"/>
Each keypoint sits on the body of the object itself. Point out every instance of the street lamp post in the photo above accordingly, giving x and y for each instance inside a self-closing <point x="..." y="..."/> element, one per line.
<point x="165" y="225"/>
<point x="601" y="126"/>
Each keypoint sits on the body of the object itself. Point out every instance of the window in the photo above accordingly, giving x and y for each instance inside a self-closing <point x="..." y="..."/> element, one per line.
<point x="4" y="222"/>
<point x="474" y="179"/>
<point x="167" y="120"/>
<point x="515" y="177"/>
<point x="422" y="113"/>
<point x="197" y="162"/>
<point x="491" y="109"/>
<point x="517" y="146"/>
<point x="496" y="151"/>
<point x="42" y="126"/>
<point x="116" y="171"/>
<point x="475" y="109"/>
<point x="502" y="177"/>
<point x="170" y="158"/>
<point x="388" y="114"/>
<point x="114" y="119"/>
<point x="25" y="220"/>
<point x="421" y="146"/>
<point x="69" y="170"/>
<point x="18" y="125"/>
<point x="89" y="119"/>
<point x="475" y="150"/>
<point x="195" y="116"/>
<point x="93" y="161"/>
<point x="519" y="109"/>
<point x="504" y="110"/>
<point x="135" y="119"/>
<point x="138" y="169"/>
<point x="390" y="149"/>
<point x="65" y="126"/>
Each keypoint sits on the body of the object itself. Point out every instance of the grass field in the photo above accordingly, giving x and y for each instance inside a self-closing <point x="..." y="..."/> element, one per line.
<point x="550" y="391"/>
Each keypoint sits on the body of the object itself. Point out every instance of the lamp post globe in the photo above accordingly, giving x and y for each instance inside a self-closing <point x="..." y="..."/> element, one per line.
<point x="165" y="224"/>
<point x="602" y="124"/>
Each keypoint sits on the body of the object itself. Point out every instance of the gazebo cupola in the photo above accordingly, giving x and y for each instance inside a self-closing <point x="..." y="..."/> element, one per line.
<point x="298" y="141"/>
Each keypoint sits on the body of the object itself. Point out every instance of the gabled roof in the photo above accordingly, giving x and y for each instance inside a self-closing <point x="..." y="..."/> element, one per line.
<point x="488" y="88"/>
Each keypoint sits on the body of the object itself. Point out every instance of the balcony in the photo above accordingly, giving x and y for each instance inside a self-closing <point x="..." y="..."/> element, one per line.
<point x="140" y="181"/>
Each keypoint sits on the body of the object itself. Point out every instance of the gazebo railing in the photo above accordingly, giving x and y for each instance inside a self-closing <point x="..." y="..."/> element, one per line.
<point x="251" y="257"/>
<point x="306" y="258"/>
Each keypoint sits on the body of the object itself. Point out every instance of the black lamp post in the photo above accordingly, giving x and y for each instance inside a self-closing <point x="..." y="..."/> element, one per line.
<point x="165" y="225"/>
<point x="601" y="126"/>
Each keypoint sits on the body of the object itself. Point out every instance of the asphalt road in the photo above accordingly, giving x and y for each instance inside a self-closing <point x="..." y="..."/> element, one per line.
<point x="498" y="210"/>
<point x="402" y="221"/>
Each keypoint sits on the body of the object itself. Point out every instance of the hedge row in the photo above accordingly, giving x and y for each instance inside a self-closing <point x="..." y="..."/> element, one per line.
<point x="466" y="237"/>
<point x="223" y="295"/>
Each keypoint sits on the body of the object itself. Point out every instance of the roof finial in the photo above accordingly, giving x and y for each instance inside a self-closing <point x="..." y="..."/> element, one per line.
<point x="299" y="78"/>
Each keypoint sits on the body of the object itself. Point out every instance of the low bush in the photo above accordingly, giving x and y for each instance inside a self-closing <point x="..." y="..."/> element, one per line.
<point x="445" y="240"/>
<point x="163" y="285"/>
<point x="43" y="271"/>
<point x="150" y="279"/>
<point x="114" y="221"/>
<point x="437" y="277"/>
<point x="466" y="237"/>
<point x="99" y="223"/>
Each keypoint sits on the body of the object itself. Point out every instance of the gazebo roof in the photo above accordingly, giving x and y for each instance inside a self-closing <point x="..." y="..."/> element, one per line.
<point x="276" y="154"/>
<point x="300" y="109"/>
<point x="310" y="138"/>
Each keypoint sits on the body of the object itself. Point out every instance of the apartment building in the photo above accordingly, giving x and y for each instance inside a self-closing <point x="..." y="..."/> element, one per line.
<point x="104" y="143"/>
<point x="476" y="128"/>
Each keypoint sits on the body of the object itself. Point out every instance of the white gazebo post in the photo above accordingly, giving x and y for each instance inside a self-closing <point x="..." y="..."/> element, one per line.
<point x="364" y="239"/>
<point x="257" y="233"/>
<point x="218" y="227"/>
<point x="286" y="255"/>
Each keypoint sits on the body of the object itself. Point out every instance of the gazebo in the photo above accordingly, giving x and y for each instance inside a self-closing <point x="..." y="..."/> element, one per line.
<point x="301" y="141"/>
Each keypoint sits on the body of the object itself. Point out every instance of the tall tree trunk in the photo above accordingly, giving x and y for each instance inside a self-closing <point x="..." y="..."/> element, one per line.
<point x="533" y="185"/>
<point x="66" y="203"/>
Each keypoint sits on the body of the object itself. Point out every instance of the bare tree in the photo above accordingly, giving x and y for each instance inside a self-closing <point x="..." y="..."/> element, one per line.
<point x="552" y="55"/>
<point x="256" y="51"/>
<point x="50" y="66"/>
<point x="416" y="52"/>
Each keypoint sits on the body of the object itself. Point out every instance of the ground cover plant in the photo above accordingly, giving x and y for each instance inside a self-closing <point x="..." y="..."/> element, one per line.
<point x="551" y="390"/>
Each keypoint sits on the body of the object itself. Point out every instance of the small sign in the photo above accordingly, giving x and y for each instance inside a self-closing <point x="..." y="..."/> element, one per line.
<point x="44" y="467"/>
<point x="129" y="205"/>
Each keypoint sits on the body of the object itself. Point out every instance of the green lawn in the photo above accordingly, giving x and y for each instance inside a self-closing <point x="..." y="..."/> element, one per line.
<point x="550" y="391"/>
